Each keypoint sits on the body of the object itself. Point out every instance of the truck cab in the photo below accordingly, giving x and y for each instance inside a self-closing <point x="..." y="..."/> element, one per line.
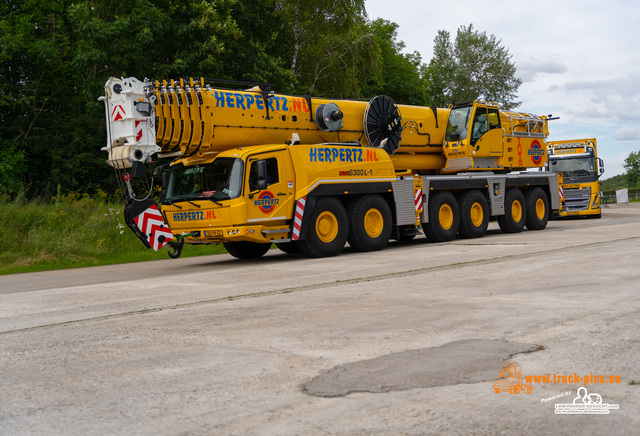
<point x="232" y="197"/>
<point x="246" y="197"/>
<point x="581" y="168"/>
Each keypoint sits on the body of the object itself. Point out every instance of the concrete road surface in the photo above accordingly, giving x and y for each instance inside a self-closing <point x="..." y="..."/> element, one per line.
<point x="419" y="338"/>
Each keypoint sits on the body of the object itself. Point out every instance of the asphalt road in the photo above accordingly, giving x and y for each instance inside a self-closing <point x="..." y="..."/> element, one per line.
<point x="408" y="340"/>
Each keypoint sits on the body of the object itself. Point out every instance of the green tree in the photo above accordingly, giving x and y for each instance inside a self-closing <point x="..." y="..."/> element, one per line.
<point x="394" y="74"/>
<point x="260" y="53"/>
<point x="55" y="57"/>
<point x="330" y="45"/>
<point x="632" y="169"/>
<point x="12" y="167"/>
<point x="33" y="49"/>
<point x="475" y="66"/>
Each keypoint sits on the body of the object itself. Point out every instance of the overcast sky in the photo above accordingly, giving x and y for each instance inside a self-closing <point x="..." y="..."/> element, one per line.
<point x="579" y="60"/>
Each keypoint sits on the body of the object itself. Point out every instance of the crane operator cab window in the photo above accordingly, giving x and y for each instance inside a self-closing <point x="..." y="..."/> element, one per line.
<point x="273" y="175"/>
<point x="457" y="124"/>
<point x="485" y="119"/>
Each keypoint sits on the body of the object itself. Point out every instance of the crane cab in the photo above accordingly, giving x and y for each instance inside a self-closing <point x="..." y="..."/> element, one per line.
<point x="481" y="137"/>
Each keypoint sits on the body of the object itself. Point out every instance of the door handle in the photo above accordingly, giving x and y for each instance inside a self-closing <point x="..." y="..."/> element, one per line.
<point x="282" y="193"/>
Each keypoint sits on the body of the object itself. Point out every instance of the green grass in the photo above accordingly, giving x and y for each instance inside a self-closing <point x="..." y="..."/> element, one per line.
<point x="70" y="232"/>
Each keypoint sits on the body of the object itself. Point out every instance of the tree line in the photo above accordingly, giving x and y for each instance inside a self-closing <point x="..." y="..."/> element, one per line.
<point x="56" y="55"/>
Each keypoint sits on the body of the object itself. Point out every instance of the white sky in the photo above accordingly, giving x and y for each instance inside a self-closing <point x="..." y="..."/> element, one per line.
<point x="578" y="59"/>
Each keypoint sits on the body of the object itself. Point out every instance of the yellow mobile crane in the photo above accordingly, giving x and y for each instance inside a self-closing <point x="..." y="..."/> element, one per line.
<point x="249" y="167"/>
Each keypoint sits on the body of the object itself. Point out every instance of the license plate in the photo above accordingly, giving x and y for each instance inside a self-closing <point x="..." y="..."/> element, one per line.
<point x="213" y="233"/>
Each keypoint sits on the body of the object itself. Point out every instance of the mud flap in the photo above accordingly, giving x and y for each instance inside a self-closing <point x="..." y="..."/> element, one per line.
<point x="145" y="220"/>
<point x="303" y="208"/>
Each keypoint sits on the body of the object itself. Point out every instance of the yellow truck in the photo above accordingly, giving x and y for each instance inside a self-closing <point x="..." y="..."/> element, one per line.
<point x="249" y="168"/>
<point x="578" y="163"/>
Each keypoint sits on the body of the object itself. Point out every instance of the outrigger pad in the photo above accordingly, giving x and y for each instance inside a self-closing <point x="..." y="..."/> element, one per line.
<point x="146" y="221"/>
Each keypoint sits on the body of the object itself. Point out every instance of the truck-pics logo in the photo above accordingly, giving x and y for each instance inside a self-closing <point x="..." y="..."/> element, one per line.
<point x="266" y="202"/>
<point x="510" y="380"/>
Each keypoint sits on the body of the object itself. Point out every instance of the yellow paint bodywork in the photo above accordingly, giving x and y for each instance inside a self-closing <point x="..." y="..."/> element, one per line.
<point x="200" y="124"/>
<point x="306" y="166"/>
<point x="203" y="122"/>
<point x="513" y="141"/>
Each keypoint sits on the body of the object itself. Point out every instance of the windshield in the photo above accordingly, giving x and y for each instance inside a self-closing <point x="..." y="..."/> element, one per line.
<point x="575" y="168"/>
<point x="219" y="180"/>
<point x="457" y="124"/>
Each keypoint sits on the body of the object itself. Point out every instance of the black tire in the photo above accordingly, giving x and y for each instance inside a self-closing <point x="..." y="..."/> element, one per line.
<point x="175" y="249"/>
<point x="369" y="223"/>
<point x="289" y="247"/>
<point x="537" y="209"/>
<point x="328" y="229"/>
<point x="515" y="212"/>
<point x="474" y="214"/>
<point x="246" y="250"/>
<point x="406" y="238"/>
<point x="444" y="217"/>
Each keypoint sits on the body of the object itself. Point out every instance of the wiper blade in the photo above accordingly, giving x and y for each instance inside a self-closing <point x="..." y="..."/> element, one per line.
<point x="215" y="201"/>
<point x="174" y="200"/>
<point x="173" y="203"/>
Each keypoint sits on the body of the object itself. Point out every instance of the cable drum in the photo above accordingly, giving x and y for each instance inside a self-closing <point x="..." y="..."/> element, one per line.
<point x="383" y="124"/>
<point x="329" y="117"/>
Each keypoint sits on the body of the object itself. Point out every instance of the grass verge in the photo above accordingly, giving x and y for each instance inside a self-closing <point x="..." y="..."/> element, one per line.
<point x="71" y="232"/>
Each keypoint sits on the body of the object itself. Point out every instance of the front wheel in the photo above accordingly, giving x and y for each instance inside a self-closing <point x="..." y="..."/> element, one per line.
<point x="289" y="247"/>
<point x="328" y="229"/>
<point x="246" y="250"/>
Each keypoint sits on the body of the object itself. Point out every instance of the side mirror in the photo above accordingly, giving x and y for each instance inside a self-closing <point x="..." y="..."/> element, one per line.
<point x="165" y="180"/>
<point x="601" y="166"/>
<point x="262" y="174"/>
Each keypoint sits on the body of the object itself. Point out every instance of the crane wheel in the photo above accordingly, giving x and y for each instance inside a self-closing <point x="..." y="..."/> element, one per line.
<point x="444" y="217"/>
<point x="289" y="247"/>
<point x="369" y="223"/>
<point x="329" y="227"/>
<point x="537" y="209"/>
<point x="246" y="250"/>
<point x="515" y="214"/>
<point x="474" y="214"/>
